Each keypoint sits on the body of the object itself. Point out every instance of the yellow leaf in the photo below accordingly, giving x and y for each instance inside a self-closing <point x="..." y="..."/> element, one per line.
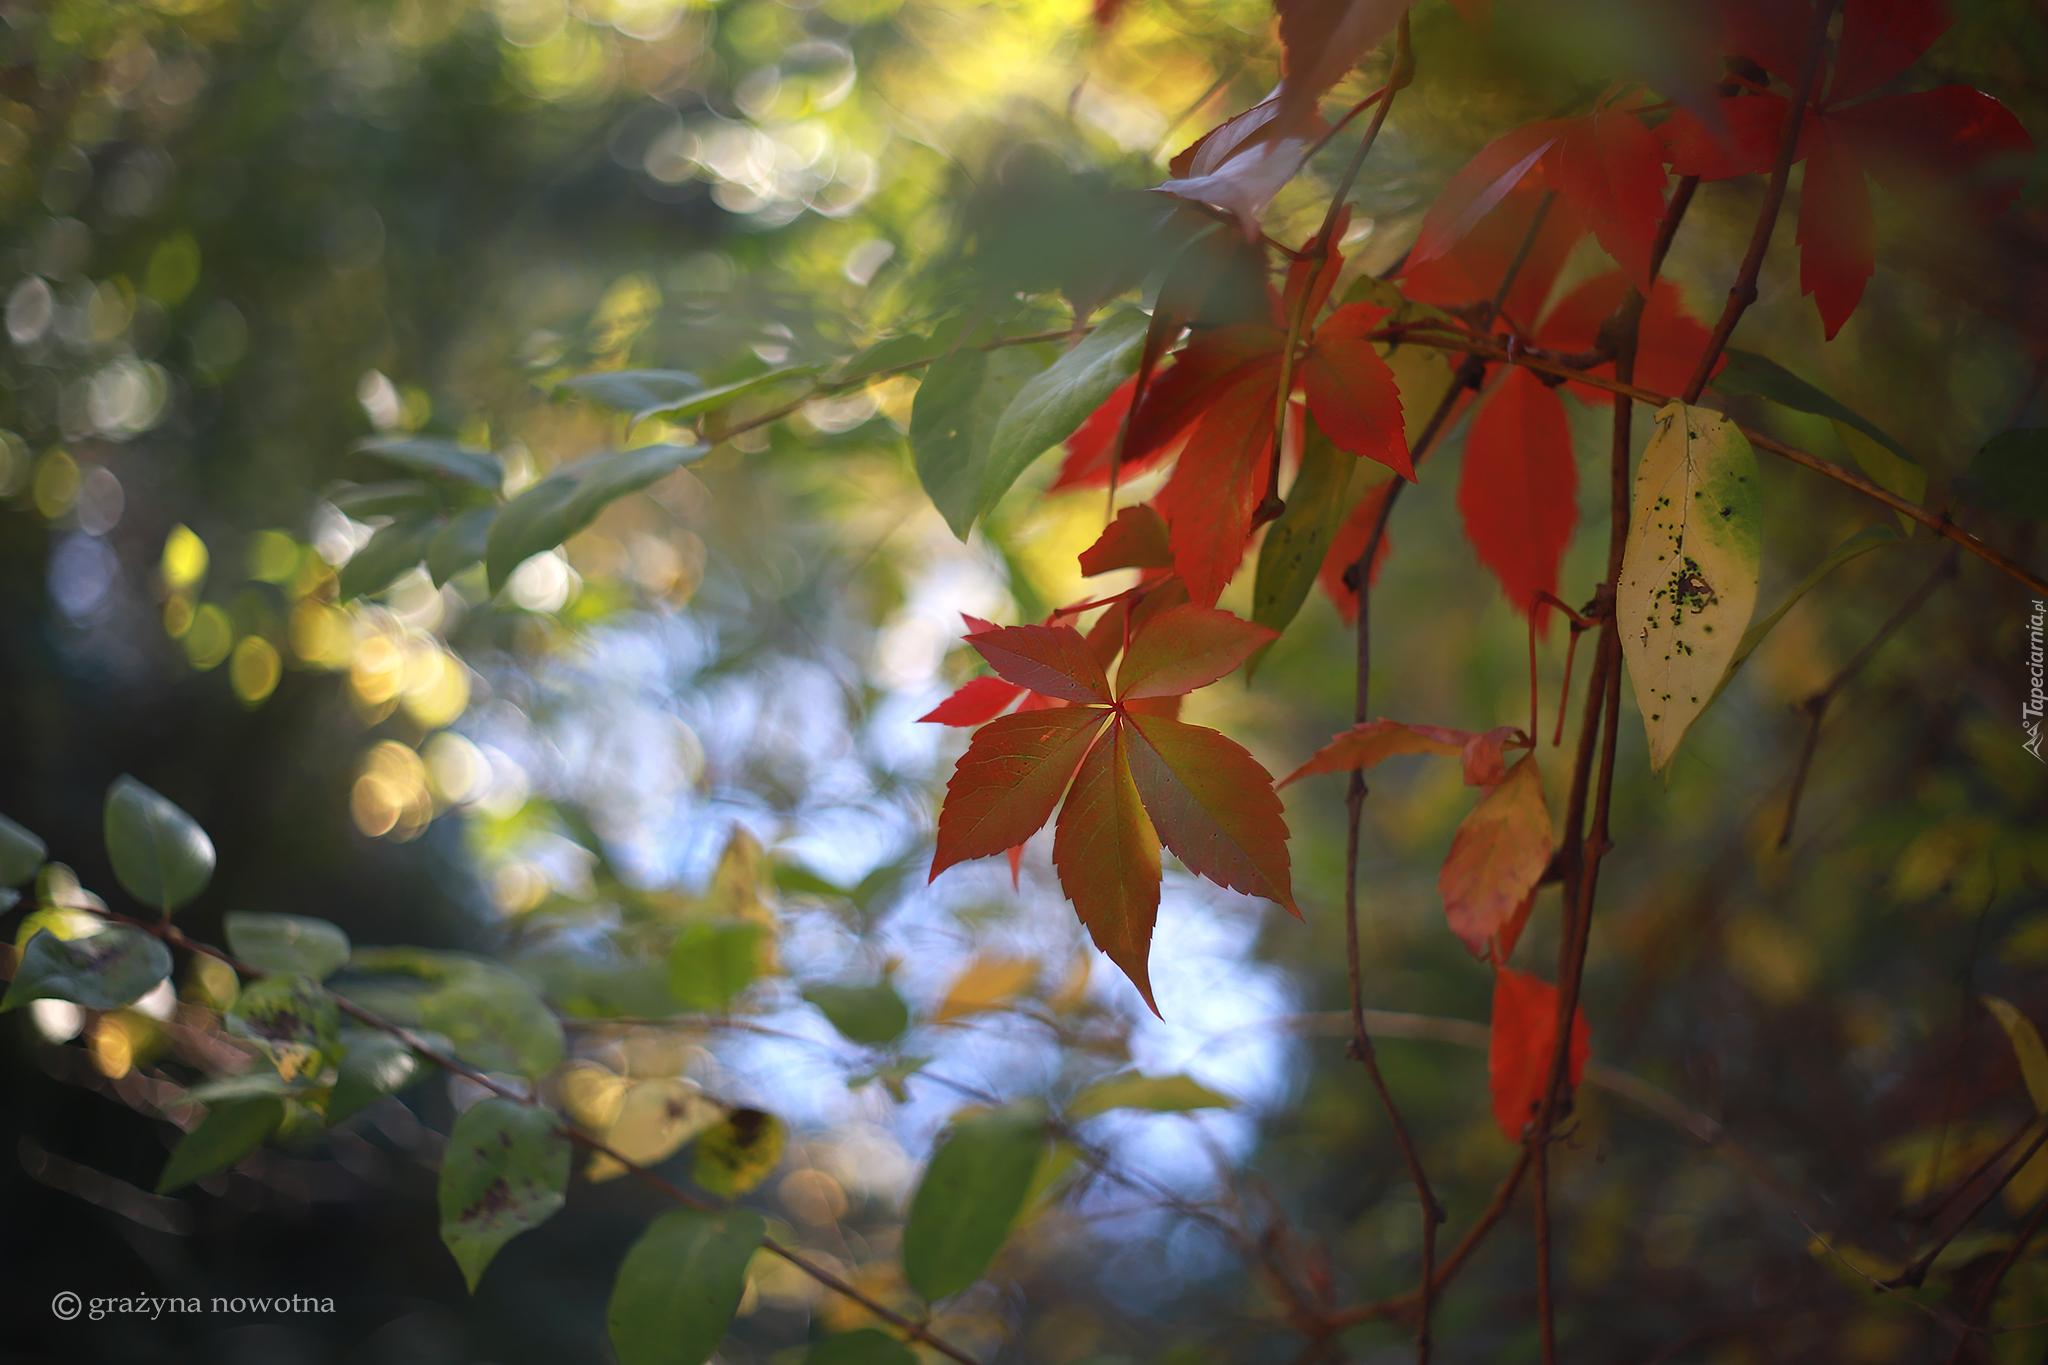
<point x="1161" y="1094"/>
<point x="654" y="1119"/>
<point x="740" y="1153"/>
<point x="987" y="983"/>
<point x="2026" y="1045"/>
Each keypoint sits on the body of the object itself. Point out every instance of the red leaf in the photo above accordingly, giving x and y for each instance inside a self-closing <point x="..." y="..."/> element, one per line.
<point x="1107" y="10"/>
<point x="1317" y="274"/>
<point x="1054" y="660"/>
<point x="1519" y="487"/>
<point x="1107" y="853"/>
<point x="1213" y="805"/>
<point x="1770" y="33"/>
<point x="1205" y="373"/>
<point x="1186" y="648"/>
<point x="1521" y="1048"/>
<point x="1612" y="169"/>
<point x="1320" y="42"/>
<point x="1016" y="865"/>
<point x="1348" y="544"/>
<point x="1241" y="164"/>
<point x="1135" y="540"/>
<point x="978" y="699"/>
<point x="1837" y="247"/>
<point x="1754" y="124"/>
<point x="1668" y="343"/>
<point x="1216" y="483"/>
<point x="1371" y="743"/>
<point x="1955" y="132"/>
<point x="1352" y="392"/>
<point x="1484" y="181"/>
<point x="1088" y="449"/>
<point x="1007" y="783"/>
<point x="1881" y="38"/>
<point x="1497" y="856"/>
<point x="1510" y="933"/>
<point x="1472" y="271"/>
<point x="1483" y="759"/>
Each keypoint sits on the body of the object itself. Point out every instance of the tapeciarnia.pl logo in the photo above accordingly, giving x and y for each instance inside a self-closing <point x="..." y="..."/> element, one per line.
<point x="2037" y="672"/>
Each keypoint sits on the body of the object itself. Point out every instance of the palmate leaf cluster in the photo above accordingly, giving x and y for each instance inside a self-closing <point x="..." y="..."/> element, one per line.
<point x="514" y="473"/>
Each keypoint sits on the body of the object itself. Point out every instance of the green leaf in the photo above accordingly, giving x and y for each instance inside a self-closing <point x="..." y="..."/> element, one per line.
<point x="865" y="1014"/>
<point x="970" y="1196"/>
<point x="1749" y="373"/>
<point x="952" y="423"/>
<point x="392" y="551"/>
<point x="21" y="853"/>
<point x="373" y="1065"/>
<point x="431" y="455"/>
<point x="103" y="971"/>
<point x="1161" y="1094"/>
<point x="2010" y="474"/>
<point x="680" y="1286"/>
<point x="713" y="961"/>
<point x="1887" y="469"/>
<point x="1056" y="400"/>
<point x="1863" y="542"/>
<point x="640" y="393"/>
<point x="249" y="1085"/>
<point x="491" y="1016"/>
<point x="569" y="499"/>
<point x="1292" y="553"/>
<point x="727" y="394"/>
<point x="1689" y="573"/>
<point x="505" y="1171"/>
<point x="226" y="1135"/>
<point x="396" y="498"/>
<point x="159" y="853"/>
<point x="295" y="1020"/>
<point x="734" y="1156"/>
<point x="286" y="943"/>
<point x="459" y="544"/>
<point x="864" y="1346"/>
<point x="2026" y="1046"/>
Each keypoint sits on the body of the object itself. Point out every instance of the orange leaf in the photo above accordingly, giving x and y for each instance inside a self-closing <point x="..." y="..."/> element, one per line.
<point x="1135" y="540"/>
<point x="1213" y="805"/>
<point x="1088" y="449"/>
<point x="1348" y="544"/>
<point x="1483" y="182"/>
<point x="1519" y="487"/>
<point x="1216" y="483"/>
<point x="1107" y="853"/>
<point x="1053" y="660"/>
<point x="1496" y="857"/>
<point x="1371" y="743"/>
<point x="1484" y="763"/>
<point x="1205" y="373"/>
<point x="1612" y="169"/>
<point x="1185" y="648"/>
<point x="1471" y="272"/>
<point x="1320" y="42"/>
<point x="1007" y="783"/>
<point x="1521" y="1047"/>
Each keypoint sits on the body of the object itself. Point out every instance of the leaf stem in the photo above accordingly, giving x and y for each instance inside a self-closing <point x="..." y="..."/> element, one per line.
<point x="1743" y="292"/>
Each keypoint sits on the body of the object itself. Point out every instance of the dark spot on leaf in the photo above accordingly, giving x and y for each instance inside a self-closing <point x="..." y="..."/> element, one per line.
<point x="496" y="1199"/>
<point x="748" y="1125"/>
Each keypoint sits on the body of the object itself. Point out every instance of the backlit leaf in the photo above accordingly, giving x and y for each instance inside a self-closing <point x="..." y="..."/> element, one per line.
<point x="2026" y="1047"/>
<point x="21" y="853"/>
<point x="713" y="961"/>
<point x="570" y="498"/>
<point x="978" y="700"/>
<point x="864" y="1014"/>
<point x="1322" y="40"/>
<point x="1107" y="853"/>
<point x="1521" y="1044"/>
<point x="1008" y="782"/>
<point x="1216" y="483"/>
<point x="159" y="853"/>
<point x="952" y="427"/>
<point x="644" y="1121"/>
<point x="1483" y="182"/>
<point x="1159" y="1094"/>
<point x="286" y="943"/>
<point x="1053" y="660"/>
<point x="987" y="983"/>
<point x="228" y="1133"/>
<point x="1612" y="169"/>
<point x="1136" y="539"/>
<point x="970" y="1196"/>
<point x="505" y="1170"/>
<point x="431" y="455"/>
<point x="1292" y="552"/>
<point x="1213" y="805"/>
<point x="739" y="1153"/>
<point x="116" y="966"/>
<point x="1371" y="743"/>
<point x="1518" y="490"/>
<point x="1689" y="574"/>
<point x="680" y="1286"/>
<point x="293" y="1018"/>
<point x="1496" y="857"/>
<point x="1184" y="648"/>
<point x="1352" y="392"/>
<point x="1056" y="400"/>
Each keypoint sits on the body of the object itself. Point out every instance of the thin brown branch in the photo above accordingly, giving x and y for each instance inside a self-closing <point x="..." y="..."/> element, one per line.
<point x="1743" y="292"/>
<point x="1816" y="706"/>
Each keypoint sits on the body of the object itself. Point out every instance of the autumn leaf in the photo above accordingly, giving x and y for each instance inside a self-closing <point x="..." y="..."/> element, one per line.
<point x="1052" y="660"/>
<point x="1348" y="544"/>
<point x="1320" y="42"/>
<point x="1213" y="805"/>
<point x="1107" y="853"/>
<point x="1136" y="539"/>
<point x="1011" y="777"/>
<point x="1497" y="856"/>
<point x="1185" y="648"/>
<point x="1521" y="1046"/>
<point x="977" y="700"/>
<point x="1518" y="490"/>
<point x="1371" y="743"/>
